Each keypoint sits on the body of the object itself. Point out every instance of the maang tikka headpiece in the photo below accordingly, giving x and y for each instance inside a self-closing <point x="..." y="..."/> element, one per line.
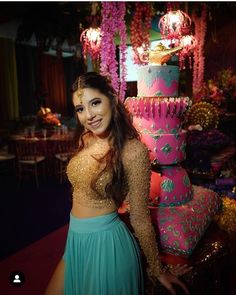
<point x="80" y="91"/>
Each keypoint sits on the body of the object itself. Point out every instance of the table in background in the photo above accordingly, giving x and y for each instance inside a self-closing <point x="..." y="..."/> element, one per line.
<point x="46" y="146"/>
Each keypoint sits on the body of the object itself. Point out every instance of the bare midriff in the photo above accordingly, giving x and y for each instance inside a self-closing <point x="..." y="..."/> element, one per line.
<point x="81" y="211"/>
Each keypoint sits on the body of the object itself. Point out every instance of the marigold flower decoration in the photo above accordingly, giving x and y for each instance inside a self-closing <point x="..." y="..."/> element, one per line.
<point x="140" y="31"/>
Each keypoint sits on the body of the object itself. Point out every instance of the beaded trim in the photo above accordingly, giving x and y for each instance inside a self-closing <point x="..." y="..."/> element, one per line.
<point x="80" y="91"/>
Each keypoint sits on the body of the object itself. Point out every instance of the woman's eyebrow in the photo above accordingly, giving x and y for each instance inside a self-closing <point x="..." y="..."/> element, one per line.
<point x="91" y="100"/>
<point x="78" y="105"/>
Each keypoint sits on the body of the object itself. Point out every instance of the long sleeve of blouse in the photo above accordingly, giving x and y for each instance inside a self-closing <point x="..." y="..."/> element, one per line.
<point x="137" y="168"/>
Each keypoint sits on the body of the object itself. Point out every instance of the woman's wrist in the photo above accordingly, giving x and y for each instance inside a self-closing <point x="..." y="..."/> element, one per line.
<point x="154" y="274"/>
<point x="164" y="269"/>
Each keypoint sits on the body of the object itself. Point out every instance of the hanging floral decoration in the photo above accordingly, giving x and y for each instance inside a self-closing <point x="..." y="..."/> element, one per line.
<point x="199" y="59"/>
<point x="113" y="22"/>
<point x="140" y="31"/>
<point x="91" y="43"/>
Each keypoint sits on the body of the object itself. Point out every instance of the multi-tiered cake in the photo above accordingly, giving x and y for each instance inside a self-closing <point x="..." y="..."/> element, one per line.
<point x="180" y="212"/>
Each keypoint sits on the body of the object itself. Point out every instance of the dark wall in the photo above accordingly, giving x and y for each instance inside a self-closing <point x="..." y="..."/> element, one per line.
<point x="220" y="46"/>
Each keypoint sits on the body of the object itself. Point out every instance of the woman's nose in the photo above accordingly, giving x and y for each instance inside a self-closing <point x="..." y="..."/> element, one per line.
<point x="89" y="114"/>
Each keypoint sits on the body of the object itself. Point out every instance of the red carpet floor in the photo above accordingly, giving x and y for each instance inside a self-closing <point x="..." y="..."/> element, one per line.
<point x="36" y="261"/>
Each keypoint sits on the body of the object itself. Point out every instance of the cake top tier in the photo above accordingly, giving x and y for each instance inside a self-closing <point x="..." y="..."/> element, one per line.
<point x="158" y="80"/>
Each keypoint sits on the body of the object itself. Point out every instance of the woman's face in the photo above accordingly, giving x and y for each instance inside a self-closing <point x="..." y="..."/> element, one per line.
<point x="93" y="110"/>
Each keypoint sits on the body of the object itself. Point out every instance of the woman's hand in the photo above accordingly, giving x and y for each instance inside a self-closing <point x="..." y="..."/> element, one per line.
<point x="167" y="279"/>
<point x="179" y="270"/>
<point x="171" y="276"/>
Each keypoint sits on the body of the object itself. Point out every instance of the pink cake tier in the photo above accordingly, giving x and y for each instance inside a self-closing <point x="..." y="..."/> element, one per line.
<point x="158" y="80"/>
<point x="180" y="212"/>
<point x="170" y="188"/>
<point x="162" y="114"/>
<point x="165" y="149"/>
<point x="159" y="122"/>
<point x="167" y="125"/>
<point x="181" y="227"/>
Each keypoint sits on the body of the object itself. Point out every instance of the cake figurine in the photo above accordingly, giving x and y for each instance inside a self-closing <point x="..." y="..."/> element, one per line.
<point x="161" y="54"/>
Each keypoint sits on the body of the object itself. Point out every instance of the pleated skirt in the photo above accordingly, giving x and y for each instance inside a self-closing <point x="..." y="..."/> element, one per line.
<point x="101" y="258"/>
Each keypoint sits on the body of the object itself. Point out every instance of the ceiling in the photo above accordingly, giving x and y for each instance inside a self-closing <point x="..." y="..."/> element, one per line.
<point x="13" y="10"/>
<point x="64" y="20"/>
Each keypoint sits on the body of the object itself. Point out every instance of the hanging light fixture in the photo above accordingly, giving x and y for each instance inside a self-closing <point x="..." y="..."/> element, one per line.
<point x="91" y="37"/>
<point x="91" y="42"/>
<point x="174" y="24"/>
<point x="188" y="43"/>
<point x="176" y="27"/>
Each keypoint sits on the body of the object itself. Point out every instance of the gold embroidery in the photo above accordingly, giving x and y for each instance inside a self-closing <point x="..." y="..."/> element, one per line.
<point x="137" y="167"/>
<point x="80" y="91"/>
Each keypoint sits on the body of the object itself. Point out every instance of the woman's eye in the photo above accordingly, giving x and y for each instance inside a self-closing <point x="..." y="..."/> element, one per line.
<point x="96" y="102"/>
<point x="79" y="110"/>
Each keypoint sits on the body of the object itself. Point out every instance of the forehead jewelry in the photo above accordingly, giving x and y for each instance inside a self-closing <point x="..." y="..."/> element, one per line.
<point x="79" y="91"/>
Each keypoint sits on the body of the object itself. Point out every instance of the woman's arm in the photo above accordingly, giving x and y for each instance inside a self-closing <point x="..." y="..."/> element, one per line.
<point x="137" y="168"/>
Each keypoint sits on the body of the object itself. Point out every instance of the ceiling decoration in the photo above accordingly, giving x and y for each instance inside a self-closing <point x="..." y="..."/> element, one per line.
<point x="52" y="22"/>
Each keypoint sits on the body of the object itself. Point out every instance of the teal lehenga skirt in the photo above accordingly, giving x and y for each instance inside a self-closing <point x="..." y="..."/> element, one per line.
<point x="101" y="258"/>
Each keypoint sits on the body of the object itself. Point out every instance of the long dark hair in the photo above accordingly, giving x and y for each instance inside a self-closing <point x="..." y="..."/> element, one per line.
<point x="121" y="130"/>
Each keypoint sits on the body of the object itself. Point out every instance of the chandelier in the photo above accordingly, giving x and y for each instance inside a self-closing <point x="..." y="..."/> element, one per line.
<point x="188" y="44"/>
<point x="91" y="42"/>
<point x="176" y="27"/>
<point x="91" y="37"/>
<point x="174" y="24"/>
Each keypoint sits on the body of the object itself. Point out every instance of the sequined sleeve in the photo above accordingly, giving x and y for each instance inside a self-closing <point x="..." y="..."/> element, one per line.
<point x="137" y="168"/>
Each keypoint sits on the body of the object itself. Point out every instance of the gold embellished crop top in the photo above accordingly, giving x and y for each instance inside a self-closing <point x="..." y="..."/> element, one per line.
<point x="83" y="167"/>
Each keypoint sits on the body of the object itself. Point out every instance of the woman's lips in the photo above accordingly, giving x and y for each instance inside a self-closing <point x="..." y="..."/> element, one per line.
<point x="95" y="124"/>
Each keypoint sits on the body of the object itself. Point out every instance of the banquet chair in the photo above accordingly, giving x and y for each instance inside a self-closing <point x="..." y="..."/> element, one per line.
<point x="66" y="149"/>
<point x="7" y="164"/>
<point x="29" y="159"/>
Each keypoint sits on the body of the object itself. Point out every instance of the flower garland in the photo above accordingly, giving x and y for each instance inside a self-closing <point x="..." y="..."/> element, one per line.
<point x="199" y="59"/>
<point x="113" y="22"/>
<point x="140" y="30"/>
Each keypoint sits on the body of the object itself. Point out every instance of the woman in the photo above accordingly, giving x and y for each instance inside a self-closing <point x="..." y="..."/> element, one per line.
<point x="101" y="256"/>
